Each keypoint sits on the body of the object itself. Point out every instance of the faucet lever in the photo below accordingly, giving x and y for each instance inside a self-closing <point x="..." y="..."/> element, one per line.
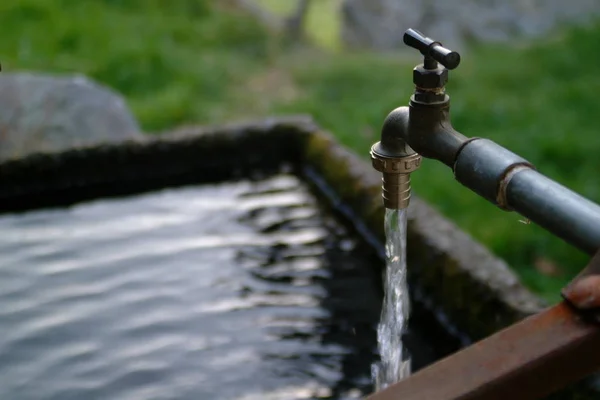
<point x="432" y="50"/>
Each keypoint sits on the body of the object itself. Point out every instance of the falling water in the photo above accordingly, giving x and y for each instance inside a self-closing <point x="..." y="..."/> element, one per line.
<point x="395" y="361"/>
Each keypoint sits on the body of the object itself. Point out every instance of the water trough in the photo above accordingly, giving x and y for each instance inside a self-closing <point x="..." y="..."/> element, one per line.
<point x="459" y="291"/>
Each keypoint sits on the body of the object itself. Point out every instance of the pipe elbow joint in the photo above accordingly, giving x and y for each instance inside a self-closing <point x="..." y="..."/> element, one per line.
<point x="431" y="134"/>
<point x="394" y="135"/>
<point x="393" y="157"/>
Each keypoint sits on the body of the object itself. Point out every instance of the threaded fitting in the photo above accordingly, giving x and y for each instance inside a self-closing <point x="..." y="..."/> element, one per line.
<point x="396" y="190"/>
<point x="396" y="177"/>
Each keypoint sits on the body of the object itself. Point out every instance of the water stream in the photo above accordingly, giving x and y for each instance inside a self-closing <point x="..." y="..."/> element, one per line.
<point x="395" y="360"/>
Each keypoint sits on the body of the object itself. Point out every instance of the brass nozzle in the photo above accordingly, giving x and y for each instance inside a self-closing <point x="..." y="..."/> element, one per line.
<point x="396" y="177"/>
<point x="396" y="190"/>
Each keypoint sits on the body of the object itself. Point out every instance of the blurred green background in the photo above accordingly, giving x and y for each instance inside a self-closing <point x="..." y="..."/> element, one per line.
<point x="207" y="62"/>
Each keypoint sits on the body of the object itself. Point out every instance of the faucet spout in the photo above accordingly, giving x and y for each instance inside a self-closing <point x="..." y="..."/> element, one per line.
<point x="395" y="159"/>
<point x="394" y="134"/>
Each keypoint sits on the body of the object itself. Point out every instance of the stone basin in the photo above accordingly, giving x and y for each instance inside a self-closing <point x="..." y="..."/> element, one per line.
<point x="460" y="292"/>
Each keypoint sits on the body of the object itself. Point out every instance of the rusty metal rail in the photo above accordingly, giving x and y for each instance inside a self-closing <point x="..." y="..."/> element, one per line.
<point x="583" y="292"/>
<point x="525" y="361"/>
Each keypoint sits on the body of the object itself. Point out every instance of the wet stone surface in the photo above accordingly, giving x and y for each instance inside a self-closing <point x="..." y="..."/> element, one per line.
<point x="242" y="290"/>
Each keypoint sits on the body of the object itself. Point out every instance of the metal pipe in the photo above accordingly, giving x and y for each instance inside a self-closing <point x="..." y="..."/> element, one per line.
<point x="511" y="183"/>
<point x="568" y="215"/>
<point x="430" y="131"/>
<point x="481" y="165"/>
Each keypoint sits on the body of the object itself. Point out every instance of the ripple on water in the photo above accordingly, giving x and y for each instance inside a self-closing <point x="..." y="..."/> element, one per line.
<point x="216" y="292"/>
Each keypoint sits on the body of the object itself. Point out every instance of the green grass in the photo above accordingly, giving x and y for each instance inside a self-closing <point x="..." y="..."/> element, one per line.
<point x="160" y="54"/>
<point x="322" y="23"/>
<point x="189" y="61"/>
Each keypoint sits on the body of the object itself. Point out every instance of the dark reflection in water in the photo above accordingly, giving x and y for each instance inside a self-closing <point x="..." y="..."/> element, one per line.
<point x="236" y="291"/>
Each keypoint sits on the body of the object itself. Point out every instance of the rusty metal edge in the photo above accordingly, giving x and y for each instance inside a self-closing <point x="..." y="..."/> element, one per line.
<point x="528" y="360"/>
<point x="583" y="292"/>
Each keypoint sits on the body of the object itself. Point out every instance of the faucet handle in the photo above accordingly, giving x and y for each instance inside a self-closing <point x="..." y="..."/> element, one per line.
<point x="432" y="50"/>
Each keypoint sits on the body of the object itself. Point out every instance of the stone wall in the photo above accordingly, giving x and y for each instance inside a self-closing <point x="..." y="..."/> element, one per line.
<point x="380" y="24"/>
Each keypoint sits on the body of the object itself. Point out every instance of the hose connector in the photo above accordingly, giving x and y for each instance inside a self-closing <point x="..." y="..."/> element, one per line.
<point x="396" y="176"/>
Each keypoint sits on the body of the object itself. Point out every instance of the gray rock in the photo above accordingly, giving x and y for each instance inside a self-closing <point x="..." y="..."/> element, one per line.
<point x="380" y="24"/>
<point x="40" y="113"/>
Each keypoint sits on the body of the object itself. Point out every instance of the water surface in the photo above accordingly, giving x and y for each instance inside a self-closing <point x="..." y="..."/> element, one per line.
<point x="242" y="290"/>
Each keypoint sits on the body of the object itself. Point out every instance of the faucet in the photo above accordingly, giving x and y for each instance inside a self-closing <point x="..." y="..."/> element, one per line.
<point x="425" y="124"/>
<point x="423" y="129"/>
<point x="522" y="360"/>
